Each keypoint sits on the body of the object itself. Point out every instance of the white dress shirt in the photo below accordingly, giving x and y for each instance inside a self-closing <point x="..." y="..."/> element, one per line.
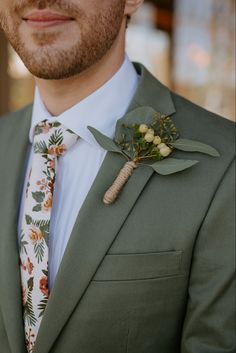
<point x="79" y="167"/>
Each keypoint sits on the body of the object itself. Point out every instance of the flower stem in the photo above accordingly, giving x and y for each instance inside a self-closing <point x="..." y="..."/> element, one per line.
<point x="123" y="176"/>
<point x="144" y="157"/>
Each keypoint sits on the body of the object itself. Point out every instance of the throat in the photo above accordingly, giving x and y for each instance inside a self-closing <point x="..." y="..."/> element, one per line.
<point x="60" y="95"/>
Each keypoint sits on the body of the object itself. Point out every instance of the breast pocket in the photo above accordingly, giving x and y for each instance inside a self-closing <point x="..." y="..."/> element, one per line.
<point x="124" y="267"/>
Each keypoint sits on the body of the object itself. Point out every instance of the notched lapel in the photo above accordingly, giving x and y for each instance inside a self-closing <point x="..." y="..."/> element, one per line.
<point x="152" y="92"/>
<point x="97" y="224"/>
<point x="15" y="136"/>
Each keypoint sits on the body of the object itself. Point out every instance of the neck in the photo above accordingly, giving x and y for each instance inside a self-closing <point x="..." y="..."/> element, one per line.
<point x="60" y="95"/>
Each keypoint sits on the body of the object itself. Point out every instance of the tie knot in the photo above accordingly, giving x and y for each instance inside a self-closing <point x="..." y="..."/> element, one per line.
<point x="53" y="138"/>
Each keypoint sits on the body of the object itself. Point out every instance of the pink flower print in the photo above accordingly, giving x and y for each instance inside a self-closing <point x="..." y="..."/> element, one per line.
<point x="24" y="295"/>
<point x="57" y="150"/>
<point x="23" y="266"/>
<point x="28" y="266"/>
<point x="43" y="286"/>
<point x="45" y="185"/>
<point x="45" y="128"/>
<point x="35" y="235"/>
<point x="42" y="183"/>
<point x="30" y="343"/>
<point x="51" y="164"/>
<point x="47" y="204"/>
<point x="42" y="128"/>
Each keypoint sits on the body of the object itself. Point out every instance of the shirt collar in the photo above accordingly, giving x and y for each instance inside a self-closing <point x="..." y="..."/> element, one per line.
<point x="101" y="109"/>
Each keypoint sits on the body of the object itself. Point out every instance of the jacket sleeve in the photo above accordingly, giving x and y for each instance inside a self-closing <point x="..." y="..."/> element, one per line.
<point x="209" y="325"/>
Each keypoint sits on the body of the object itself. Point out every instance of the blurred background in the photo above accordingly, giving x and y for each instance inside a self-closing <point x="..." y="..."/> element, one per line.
<point x="188" y="45"/>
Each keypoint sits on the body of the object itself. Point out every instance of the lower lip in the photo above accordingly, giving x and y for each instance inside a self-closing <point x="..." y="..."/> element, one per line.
<point x="46" y="24"/>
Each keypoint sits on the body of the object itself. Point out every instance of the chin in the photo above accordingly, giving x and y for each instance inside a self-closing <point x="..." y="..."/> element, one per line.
<point x="40" y="72"/>
<point x="55" y="72"/>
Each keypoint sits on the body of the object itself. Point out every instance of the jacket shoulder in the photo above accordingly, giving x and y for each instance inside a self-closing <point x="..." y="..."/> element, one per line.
<point x="200" y="124"/>
<point x="7" y="120"/>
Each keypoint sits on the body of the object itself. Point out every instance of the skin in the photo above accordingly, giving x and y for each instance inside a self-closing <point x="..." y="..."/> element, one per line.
<point x="72" y="60"/>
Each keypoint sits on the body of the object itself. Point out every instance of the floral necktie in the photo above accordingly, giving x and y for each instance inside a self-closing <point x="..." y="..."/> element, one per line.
<point x="51" y="141"/>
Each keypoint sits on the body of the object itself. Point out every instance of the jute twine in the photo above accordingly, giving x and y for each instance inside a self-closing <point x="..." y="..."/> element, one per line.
<point x="123" y="176"/>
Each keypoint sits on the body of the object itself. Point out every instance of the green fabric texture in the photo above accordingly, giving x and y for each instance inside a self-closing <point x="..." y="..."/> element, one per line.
<point x="151" y="273"/>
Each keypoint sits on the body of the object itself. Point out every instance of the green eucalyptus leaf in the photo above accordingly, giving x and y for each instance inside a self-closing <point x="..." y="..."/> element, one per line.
<point x="194" y="146"/>
<point x="172" y="165"/>
<point x="104" y="141"/>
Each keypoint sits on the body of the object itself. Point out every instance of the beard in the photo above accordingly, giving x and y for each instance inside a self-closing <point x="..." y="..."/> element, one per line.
<point x="50" y="58"/>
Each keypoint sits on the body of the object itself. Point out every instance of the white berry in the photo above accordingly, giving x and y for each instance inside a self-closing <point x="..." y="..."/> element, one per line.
<point x="143" y="128"/>
<point x="165" y="151"/>
<point x="157" y="140"/>
<point x="161" y="145"/>
<point x="149" y="137"/>
<point x="151" y="131"/>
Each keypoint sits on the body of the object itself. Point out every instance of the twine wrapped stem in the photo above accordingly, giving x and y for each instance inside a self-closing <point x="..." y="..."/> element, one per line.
<point x="122" y="178"/>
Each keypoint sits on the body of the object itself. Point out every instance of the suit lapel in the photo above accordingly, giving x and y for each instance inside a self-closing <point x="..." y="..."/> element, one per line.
<point x="97" y="225"/>
<point x="152" y="93"/>
<point x="11" y="177"/>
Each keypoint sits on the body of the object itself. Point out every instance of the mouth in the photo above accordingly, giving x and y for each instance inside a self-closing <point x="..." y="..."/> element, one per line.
<point x="44" y="19"/>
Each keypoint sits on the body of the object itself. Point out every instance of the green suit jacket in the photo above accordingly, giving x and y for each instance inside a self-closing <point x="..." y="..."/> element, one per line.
<point x="151" y="273"/>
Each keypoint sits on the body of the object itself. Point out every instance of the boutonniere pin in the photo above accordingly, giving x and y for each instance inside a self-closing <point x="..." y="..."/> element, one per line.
<point x="147" y="138"/>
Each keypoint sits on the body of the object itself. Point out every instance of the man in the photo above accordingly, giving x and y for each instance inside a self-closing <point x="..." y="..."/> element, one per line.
<point x="152" y="272"/>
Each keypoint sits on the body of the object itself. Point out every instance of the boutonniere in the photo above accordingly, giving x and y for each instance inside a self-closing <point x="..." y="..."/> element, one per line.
<point x="147" y="138"/>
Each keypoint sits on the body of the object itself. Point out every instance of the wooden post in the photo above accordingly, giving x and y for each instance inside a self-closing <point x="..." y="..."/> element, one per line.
<point x="4" y="78"/>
